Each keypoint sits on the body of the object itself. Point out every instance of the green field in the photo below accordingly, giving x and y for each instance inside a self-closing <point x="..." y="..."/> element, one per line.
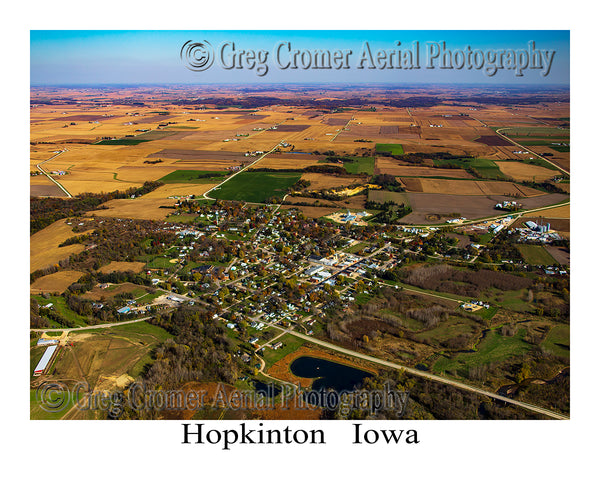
<point x="561" y="148"/>
<point x="192" y="176"/>
<point x="360" y="165"/>
<point x="484" y="167"/>
<point x="535" y="255"/>
<point x="256" y="187"/>
<point x="393" y="148"/>
<point x="493" y="348"/>
<point x="290" y="344"/>
<point x="558" y="341"/>
<point x="144" y="137"/>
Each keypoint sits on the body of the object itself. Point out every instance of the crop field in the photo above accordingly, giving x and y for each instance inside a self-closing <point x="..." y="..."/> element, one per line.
<point x="138" y="208"/>
<point x="193" y="176"/>
<point x="44" y="245"/>
<point x="360" y="165"/>
<point x="55" y="282"/>
<point x="466" y="187"/>
<point x="256" y="186"/>
<point x="558" y="341"/>
<point x="286" y="161"/>
<point x="320" y="181"/>
<point x="135" y="267"/>
<point x="536" y="255"/>
<point x="535" y="132"/>
<point x="382" y="196"/>
<point x="563" y="211"/>
<point x="523" y="171"/>
<point x="393" y="148"/>
<point x="392" y="167"/>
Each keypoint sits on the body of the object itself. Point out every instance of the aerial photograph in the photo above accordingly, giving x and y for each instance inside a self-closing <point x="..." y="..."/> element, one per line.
<point x="299" y="225"/>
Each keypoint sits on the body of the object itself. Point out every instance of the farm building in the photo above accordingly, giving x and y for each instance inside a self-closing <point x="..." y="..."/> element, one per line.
<point x="47" y="341"/>
<point x="123" y="310"/>
<point x="45" y="360"/>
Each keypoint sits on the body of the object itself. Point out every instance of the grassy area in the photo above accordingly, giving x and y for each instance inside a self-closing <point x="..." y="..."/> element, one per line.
<point x="189" y="218"/>
<point x="160" y="262"/>
<point x="60" y="306"/>
<point x="451" y="328"/>
<point x="360" y="165"/>
<point x="493" y="348"/>
<point x="256" y="187"/>
<point x="290" y="344"/>
<point x="558" y="341"/>
<point x="535" y="255"/>
<point x="561" y="148"/>
<point x="193" y="176"/>
<point x="36" y="412"/>
<point x="393" y="148"/>
<point x="357" y="247"/>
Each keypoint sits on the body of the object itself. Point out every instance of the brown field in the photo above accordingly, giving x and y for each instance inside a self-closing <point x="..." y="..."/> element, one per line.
<point x="295" y="161"/>
<point x="44" y="245"/>
<point x="560" y="254"/>
<point x="523" y="171"/>
<point x="98" y="293"/>
<point x="137" y="208"/>
<point x="493" y="140"/>
<point x="135" y="267"/>
<point x="311" y="212"/>
<point x="427" y="206"/>
<point x="50" y="190"/>
<point x="393" y="167"/>
<point x="466" y="187"/>
<point x="55" y="282"/>
<point x="564" y="211"/>
<point x="320" y="181"/>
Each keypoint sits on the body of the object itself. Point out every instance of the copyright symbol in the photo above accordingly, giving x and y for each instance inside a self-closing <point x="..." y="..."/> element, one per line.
<point x="52" y="396"/>
<point x="197" y="56"/>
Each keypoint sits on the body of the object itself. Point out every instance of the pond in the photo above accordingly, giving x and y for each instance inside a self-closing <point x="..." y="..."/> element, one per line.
<point x="329" y="375"/>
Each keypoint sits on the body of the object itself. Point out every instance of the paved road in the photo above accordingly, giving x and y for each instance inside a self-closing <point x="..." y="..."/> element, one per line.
<point x="39" y="167"/>
<point x="240" y="171"/>
<point x="429" y="376"/>
<point x="530" y="151"/>
<point x="90" y="327"/>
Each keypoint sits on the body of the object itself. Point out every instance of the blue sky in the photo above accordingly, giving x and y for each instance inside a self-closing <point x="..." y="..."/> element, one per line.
<point x="133" y="57"/>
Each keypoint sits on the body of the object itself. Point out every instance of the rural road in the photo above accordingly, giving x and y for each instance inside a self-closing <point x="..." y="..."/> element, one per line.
<point x="530" y="151"/>
<point x="90" y="327"/>
<point x="429" y="376"/>
<point x="240" y="171"/>
<point x="39" y="167"/>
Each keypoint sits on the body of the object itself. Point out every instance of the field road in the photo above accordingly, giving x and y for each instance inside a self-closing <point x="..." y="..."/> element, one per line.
<point x="241" y="170"/>
<point x="429" y="376"/>
<point x="530" y="151"/>
<point x="39" y="167"/>
<point x="90" y="327"/>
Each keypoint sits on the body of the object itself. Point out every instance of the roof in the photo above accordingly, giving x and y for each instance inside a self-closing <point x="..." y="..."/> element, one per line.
<point x="43" y="363"/>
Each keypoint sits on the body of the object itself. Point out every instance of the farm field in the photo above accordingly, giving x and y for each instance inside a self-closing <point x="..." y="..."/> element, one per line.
<point x="256" y="186"/>
<point x="536" y="255"/>
<point x="44" y="245"/>
<point x="393" y="148"/>
<point x="135" y="267"/>
<point x="193" y="176"/>
<point x="391" y="166"/>
<point x="139" y="208"/>
<point x="467" y="187"/>
<point x="321" y="181"/>
<point x="55" y="282"/>
<point x="523" y="171"/>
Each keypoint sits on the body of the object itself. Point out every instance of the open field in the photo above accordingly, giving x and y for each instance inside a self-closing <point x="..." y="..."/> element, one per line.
<point x="139" y="208"/>
<point x="536" y="255"/>
<point x="256" y="186"/>
<point x="467" y="187"/>
<point x="44" y="245"/>
<point x="393" y="148"/>
<point x="393" y="167"/>
<point x="55" y="282"/>
<point x="563" y="211"/>
<point x="180" y="190"/>
<point x="135" y="267"/>
<point x="321" y="181"/>
<point x="525" y="172"/>
<point x="193" y="176"/>
<point x="286" y="161"/>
